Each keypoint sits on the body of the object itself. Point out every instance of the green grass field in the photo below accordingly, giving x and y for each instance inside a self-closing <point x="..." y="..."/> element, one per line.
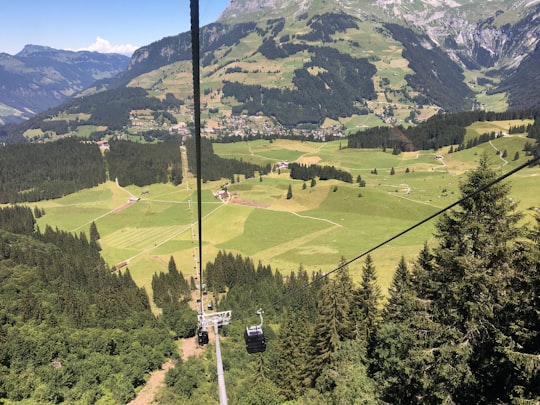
<point x="318" y="227"/>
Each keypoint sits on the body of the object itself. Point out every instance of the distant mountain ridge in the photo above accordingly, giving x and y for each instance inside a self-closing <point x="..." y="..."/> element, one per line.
<point x="348" y="64"/>
<point x="40" y="77"/>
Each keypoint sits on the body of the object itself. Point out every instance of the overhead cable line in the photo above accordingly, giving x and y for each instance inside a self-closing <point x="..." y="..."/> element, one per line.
<point x="218" y="318"/>
<point x="195" y="55"/>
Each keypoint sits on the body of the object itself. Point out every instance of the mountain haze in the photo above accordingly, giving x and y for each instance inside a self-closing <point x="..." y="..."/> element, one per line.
<point x="39" y="78"/>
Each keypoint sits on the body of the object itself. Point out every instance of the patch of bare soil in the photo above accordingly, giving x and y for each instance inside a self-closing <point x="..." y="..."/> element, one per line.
<point x="191" y="348"/>
<point x="122" y="207"/>
<point x="147" y="394"/>
<point x="249" y="203"/>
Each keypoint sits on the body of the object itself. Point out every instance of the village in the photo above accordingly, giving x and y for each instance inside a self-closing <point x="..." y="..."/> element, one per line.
<point x="223" y="126"/>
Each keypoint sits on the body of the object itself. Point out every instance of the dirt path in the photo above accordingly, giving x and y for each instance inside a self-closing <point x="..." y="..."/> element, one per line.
<point x="190" y="347"/>
<point x="147" y="394"/>
<point x="499" y="153"/>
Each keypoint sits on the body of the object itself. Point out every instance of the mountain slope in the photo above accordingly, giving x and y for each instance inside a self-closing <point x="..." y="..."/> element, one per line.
<point x="38" y="77"/>
<point x="523" y="85"/>
<point x="447" y="55"/>
<point x="347" y="64"/>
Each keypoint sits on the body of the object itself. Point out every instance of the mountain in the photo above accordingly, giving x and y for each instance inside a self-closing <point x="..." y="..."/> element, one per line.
<point x="39" y="77"/>
<point x="345" y="64"/>
<point x="423" y="56"/>
<point x="481" y="33"/>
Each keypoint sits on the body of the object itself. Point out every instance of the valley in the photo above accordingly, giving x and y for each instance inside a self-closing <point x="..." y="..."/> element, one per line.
<point x="314" y="229"/>
<point x="331" y="131"/>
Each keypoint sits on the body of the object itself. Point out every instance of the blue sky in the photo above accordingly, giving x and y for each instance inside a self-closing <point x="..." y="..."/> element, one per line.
<point x="100" y="25"/>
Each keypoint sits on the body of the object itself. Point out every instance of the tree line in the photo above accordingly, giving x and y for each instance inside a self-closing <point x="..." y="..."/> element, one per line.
<point x="35" y="172"/>
<point x="325" y="25"/>
<point x="304" y="172"/>
<point x="437" y="131"/>
<point x="144" y="164"/>
<point x="315" y="97"/>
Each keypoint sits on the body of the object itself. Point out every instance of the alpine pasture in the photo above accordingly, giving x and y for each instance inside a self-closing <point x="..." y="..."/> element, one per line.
<point x="316" y="228"/>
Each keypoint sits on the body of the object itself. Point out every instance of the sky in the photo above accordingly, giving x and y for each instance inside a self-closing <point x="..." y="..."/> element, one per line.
<point x="118" y="26"/>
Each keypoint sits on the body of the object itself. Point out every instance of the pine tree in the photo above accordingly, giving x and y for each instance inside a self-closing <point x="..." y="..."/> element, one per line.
<point x="522" y="321"/>
<point x="393" y="340"/>
<point x="365" y="305"/>
<point x="289" y="192"/>
<point x="292" y="372"/>
<point x="348" y="378"/>
<point x="406" y="344"/>
<point x="396" y="309"/>
<point x="333" y="323"/>
<point x="94" y="235"/>
<point x="473" y="324"/>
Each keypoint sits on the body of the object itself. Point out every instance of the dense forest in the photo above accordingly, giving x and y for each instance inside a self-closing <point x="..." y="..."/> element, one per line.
<point x="325" y="25"/>
<point x="460" y="323"/>
<point x="215" y="167"/>
<point x="42" y="171"/>
<point x="441" y="80"/>
<point x="144" y="164"/>
<point x="71" y="331"/>
<point x="523" y="86"/>
<point x="34" y="172"/>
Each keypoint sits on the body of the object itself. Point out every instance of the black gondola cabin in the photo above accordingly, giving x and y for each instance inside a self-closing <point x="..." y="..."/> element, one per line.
<point x="202" y="337"/>
<point x="255" y="340"/>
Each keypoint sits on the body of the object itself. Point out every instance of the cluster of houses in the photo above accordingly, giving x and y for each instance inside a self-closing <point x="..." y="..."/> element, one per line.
<point x="244" y="125"/>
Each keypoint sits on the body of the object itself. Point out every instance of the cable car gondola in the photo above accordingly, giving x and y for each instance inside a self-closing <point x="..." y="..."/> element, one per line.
<point x="202" y="336"/>
<point x="254" y="337"/>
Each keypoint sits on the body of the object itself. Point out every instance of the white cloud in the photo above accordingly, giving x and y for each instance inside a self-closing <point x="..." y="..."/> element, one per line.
<point x="103" y="46"/>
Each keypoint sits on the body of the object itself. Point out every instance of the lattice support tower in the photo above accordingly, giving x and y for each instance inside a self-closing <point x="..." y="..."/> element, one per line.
<point x="217" y="319"/>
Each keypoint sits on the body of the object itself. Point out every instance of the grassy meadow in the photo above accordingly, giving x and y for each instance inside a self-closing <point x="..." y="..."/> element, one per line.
<point x="316" y="228"/>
